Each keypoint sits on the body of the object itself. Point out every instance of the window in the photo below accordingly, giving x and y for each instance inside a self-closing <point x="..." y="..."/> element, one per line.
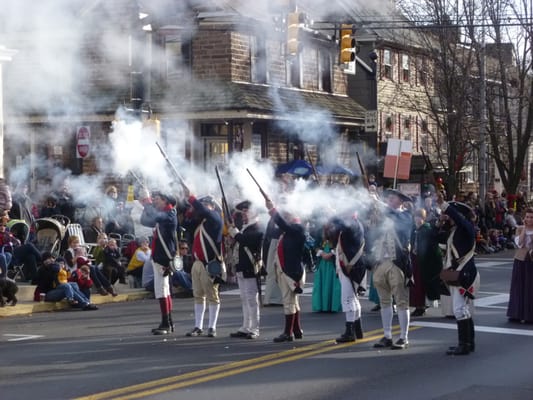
<point x="258" y="57"/>
<point x="423" y="71"/>
<point x="294" y="71"/>
<point x="389" y="125"/>
<point x="178" y="55"/>
<point x="405" y="68"/>
<point x="324" y="71"/>
<point x="407" y="128"/>
<point x="387" y="64"/>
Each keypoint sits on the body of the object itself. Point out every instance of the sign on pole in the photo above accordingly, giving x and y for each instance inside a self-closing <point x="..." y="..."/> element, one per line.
<point x="371" y="121"/>
<point x="398" y="159"/>
<point x="83" y="141"/>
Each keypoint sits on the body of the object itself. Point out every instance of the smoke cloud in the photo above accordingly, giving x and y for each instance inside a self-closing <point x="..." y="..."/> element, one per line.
<point x="55" y="34"/>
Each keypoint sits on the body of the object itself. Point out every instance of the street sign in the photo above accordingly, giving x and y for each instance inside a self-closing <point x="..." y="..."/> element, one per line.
<point x="371" y="121"/>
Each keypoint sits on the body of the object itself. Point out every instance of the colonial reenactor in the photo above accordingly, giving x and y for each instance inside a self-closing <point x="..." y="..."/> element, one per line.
<point x="272" y="295"/>
<point x="348" y="235"/>
<point x="206" y="248"/>
<point x="290" y="273"/>
<point x="459" y="272"/>
<point x="249" y="237"/>
<point x="392" y="273"/>
<point x="160" y="213"/>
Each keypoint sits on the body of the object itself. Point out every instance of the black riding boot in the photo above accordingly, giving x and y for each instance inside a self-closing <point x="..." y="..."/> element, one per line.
<point x="297" y="327"/>
<point x="348" y="335"/>
<point x="472" y="335"/>
<point x="164" y="327"/>
<point x="287" y="335"/>
<point x="358" y="329"/>
<point x="463" y="332"/>
<point x="170" y="322"/>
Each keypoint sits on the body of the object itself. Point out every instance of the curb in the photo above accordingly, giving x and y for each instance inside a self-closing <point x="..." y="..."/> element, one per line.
<point x="28" y="308"/>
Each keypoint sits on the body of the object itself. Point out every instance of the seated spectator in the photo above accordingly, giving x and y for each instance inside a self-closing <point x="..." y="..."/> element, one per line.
<point x="52" y="280"/>
<point x="92" y="232"/>
<point x="182" y="278"/>
<point x="482" y="244"/>
<point x="50" y="208"/>
<point x="13" y="251"/>
<point x="112" y="267"/>
<point x="82" y="276"/>
<point x="510" y="224"/>
<point x="148" y="276"/>
<point x="74" y="250"/>
<point x="117" y="217"/>
<point x="137" y="261"/>
<point x="494" y="239"/>
<point x="98" y="251"/>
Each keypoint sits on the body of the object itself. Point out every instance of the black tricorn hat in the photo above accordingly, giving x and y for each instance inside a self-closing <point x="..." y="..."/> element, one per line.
<point x="243" y="205"/>
<point x="463" y="208"/>
<point x="403" y="197"/>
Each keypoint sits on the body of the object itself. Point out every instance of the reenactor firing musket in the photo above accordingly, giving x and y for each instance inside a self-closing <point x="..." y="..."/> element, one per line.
<point x="173" y="169"/>
<point x="267" y="198"/>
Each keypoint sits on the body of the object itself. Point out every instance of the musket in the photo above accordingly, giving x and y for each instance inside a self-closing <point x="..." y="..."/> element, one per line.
<point x="136" y="177"/>
<point x="363" y="171"/>
<point x="173" y="168"/>
<point x="312" y="167"/>
<point x="267" y="198"/>
<point x="227" y="213"/>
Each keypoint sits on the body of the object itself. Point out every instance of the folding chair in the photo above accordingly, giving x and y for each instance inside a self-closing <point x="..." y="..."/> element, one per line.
<point x="76" y="229"/>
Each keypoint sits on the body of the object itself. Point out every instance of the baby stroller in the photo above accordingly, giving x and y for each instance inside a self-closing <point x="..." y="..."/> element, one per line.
<point x="49" y="233"/>
<point x="20" y="229"/>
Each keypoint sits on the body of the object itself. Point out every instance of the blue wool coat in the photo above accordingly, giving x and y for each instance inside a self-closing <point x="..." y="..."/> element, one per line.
<point x="351" y="238"/>
<point x="292" y="246"/>
<point x="463" y="240"/>
<point x="168" y="226"/>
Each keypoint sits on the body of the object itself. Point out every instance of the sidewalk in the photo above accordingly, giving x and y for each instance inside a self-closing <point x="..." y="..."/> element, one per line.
<point x="26" y="305"/>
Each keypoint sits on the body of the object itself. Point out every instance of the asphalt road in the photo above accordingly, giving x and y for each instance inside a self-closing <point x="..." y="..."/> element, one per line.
<point x="110" y="353"/>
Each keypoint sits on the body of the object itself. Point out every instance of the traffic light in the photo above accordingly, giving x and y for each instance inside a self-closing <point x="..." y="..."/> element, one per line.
<point x="347" y="44"/>
<point x="294" y="20"/>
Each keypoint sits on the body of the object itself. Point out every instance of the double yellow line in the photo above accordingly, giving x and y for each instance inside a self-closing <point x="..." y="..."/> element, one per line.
<point x="209" y="374"/>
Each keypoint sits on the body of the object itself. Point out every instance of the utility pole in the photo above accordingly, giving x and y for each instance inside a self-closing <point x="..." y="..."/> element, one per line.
<point x="483" y="173"/>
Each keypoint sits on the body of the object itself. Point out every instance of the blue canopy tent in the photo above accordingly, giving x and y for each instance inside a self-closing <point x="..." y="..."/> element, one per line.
<point x="296" y="167"/>
<point x="334" y="170"/>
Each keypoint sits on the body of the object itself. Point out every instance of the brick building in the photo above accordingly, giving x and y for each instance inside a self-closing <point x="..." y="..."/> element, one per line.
<point x="218" y="79"/>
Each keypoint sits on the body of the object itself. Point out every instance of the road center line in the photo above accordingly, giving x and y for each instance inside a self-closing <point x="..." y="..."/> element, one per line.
<point x="230" y="369"/>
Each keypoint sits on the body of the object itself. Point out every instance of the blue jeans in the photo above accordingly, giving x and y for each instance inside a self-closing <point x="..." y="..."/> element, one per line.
<point x="183" y="279"/>
<point x="70" y="291"/>
<point x="5" y="260"/>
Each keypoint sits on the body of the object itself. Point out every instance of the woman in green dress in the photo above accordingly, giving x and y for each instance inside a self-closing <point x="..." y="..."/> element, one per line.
<point x="326" y="285"/>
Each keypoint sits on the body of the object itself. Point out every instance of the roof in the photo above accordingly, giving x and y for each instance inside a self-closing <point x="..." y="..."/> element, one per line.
<point x="238" y="96"/>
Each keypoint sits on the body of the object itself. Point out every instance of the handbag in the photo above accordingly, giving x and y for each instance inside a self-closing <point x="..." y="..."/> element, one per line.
<point x="216" y="268"/>
<point x="450" y="276"/>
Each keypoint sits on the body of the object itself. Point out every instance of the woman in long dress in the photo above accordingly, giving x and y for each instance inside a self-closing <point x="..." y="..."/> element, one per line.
<point x="520" y="307"/>
<point x="326" y="285"/>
